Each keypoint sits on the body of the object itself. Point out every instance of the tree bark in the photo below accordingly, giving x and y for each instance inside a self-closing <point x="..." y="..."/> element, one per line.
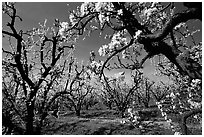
<point x="29" y="118"/>
<point x="186" y="115"/>
<point x="154" y="44"/>
<point x="78" y="113"/>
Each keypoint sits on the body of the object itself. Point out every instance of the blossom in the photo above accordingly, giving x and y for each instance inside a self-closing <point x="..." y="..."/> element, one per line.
<point x="102" y="18"/>
<point x="140" y="126"/>
<point x="120" y="12"/>
<point x="163" y="114"/>
<point x="137" y="33"/>
<point x="63" y="27"/>
<point x="117" y="39"/>
<point x="95" y="64"/>
<point x="169" y="120"/>
<point x="100" y="6"/>
<point x="177" y="133"/>
<point x="159" y="106"/>
<point x="125" y="54"/>
<point x="194" y="104"/>
<point x="129" y="110"/>
<point x="179" y="26"/>
<point x="148" y="12"/>
<point x="172" y="95"/>
<point x="122" y="122"/>
<point x="157" y="103"/>
<point x="196" y="116"/>
<point x="102" y="50"/>
<point x="72" y="19"/>
<point x="85" y="7"/>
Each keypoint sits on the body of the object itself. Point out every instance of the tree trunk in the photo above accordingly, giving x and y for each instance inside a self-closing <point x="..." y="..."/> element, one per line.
<point x="29" y="118"/>
<point x="146" y="104"/>
<point x="154" y="44"/>
<point x="184" y="118"/>
<point x="184" y="63"/>
<point x="87" y="107"/>
<point x="78" y="112"/>
<point x="110" y="105"/>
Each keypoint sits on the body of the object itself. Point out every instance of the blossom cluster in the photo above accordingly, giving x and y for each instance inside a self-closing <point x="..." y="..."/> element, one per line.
<point x="118" y="39"/>
<point x="63" y="27"/>
<point x="168" y="120"/>
<point x="150" y="15"/>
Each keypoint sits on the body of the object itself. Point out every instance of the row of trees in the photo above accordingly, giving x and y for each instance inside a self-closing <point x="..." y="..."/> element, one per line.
<point x="39" y="67"/>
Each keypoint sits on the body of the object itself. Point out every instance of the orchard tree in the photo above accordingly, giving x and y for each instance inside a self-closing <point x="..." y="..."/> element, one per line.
<point x="157" y="29"/>
<point x="33" y="62"/>
<point x="106" y="98"/>
<point x="144" y="91"/>
<point x="78" y="86"/>
<point x="90" y="100"/>
<point x="120" y="91"/>
<point x="160" y="91"/>
<point x="153" y="25"/>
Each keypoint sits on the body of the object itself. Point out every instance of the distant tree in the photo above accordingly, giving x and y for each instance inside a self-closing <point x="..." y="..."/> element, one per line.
<point x="90" y="100"/>
<point x="106" y="98"/>
<point x="78" y="86"/>
<point x="151" y="27"/>
<point x="120" y="91"/>
<point x="160" y="91"/>
<point x="144" y="91"/>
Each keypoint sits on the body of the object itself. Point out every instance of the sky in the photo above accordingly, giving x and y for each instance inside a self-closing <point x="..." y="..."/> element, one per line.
<point x="34" y="12"/>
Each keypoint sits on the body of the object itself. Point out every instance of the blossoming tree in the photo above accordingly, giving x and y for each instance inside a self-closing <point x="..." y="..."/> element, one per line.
<point x="33" y="63"/>
<point x="159" y="29"/>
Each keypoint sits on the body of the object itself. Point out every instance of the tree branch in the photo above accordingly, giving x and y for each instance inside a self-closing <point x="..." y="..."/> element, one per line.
<point x="192" y="13"/>
<point x="115" y="53"/>
<point x="184" y="118"/>
<point x="8" y="33"/>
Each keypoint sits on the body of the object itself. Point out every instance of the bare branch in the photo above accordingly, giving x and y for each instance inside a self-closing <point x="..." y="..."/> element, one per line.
<point x="115" y="53"/>
<point x="8" y="33"/>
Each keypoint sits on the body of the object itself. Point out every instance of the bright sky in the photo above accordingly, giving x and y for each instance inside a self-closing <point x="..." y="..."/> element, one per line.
<point x="33" y="13"/>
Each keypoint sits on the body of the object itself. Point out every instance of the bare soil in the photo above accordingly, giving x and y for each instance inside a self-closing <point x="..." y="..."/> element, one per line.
<point x="101" y="122"/>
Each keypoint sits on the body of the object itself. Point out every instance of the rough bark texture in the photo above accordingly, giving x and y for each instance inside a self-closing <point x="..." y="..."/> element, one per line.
<point x="154" y="44"/>
<point x="29" y="118"/>
<point x="186" y="115"/>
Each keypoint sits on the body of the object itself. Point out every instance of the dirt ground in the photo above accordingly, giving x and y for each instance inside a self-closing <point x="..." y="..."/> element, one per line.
<point x="101" y="123"/>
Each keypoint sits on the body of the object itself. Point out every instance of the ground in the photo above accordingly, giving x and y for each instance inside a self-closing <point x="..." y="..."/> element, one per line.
<point x="104" y="122"/>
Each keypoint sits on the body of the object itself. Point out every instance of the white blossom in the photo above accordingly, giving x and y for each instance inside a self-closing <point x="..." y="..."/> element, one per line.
<point x="84" y="8"/>
<point x="63" y="27"/>
<point x="177" y="133"/>
<point x="169" y="120"/>
<point x="72" y="19"/>
<point x="179" y="26"/>
<point x="120" y="12"/>
<point x="172" y="95"/>
<point x="102" y="50"/>
<point x="122" y="122"/>
<point x="148" y="12"/>
<point x="101" y="6"/>
<point x="129" y="110"/>
<point x="95" y="64"/>
<point x="137" y="33"/>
